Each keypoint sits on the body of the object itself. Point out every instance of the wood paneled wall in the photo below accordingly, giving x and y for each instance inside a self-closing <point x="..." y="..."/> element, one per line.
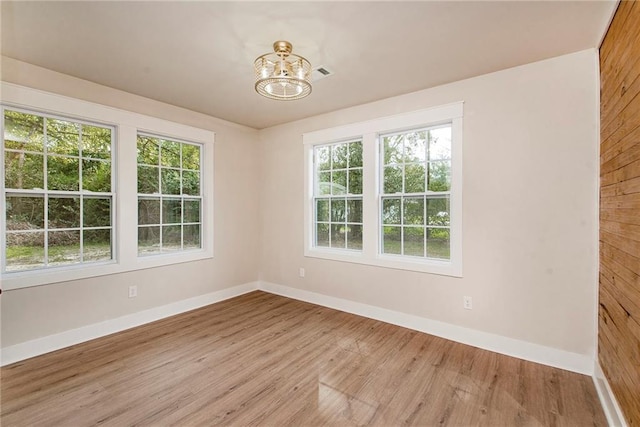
<point x="619" y="311"/>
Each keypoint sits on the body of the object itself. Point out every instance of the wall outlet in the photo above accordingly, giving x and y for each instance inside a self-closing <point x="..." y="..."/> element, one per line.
<point x="133" y="291"/>
<point x="301" y="272"/>
<point x="467" y="303"/>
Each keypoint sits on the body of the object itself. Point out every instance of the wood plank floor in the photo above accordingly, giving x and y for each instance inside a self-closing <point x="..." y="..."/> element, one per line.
<point x="261" y="359"/>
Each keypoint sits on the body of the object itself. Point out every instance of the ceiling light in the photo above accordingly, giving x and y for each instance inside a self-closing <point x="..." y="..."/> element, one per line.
<point x="282" y="75"/>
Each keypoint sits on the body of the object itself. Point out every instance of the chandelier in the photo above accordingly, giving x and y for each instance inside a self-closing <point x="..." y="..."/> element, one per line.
<point x="282" y="75"/>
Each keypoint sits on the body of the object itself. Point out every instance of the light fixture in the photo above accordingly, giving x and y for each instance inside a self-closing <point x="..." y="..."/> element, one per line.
<point x="282" y="75"/>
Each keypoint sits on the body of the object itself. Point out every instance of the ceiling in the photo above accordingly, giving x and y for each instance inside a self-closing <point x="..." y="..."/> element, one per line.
<point x="199" y="54"/>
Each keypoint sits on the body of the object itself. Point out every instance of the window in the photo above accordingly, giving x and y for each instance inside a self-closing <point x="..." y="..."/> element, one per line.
<point x="394" y="190"/>
<point x="69" y="181"/>
<point x="169" y="196"/>
<point x="416" y="183"/>
<point x="58" y="191"/>
<point x="338" y="195"/>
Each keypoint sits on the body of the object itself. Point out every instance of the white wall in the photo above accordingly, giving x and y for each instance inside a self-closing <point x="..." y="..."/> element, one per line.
<point x="529" y="208"/>
<point x="40" y="311"/>
<point x="529" y="223"/>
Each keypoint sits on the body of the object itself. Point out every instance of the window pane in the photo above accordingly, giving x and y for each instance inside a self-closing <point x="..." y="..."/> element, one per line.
<point x="78" y="159"/>
<point x="170" y="181"/>
<point x="148" y="150"/>
<point x="63" y="173"/>
<point x="392" y="146"/>
<point x="338" y="235"/>
<point x="415" y="147"/>
<point x="355" y="181"/>
<point x="178" y="174"/>
<point x="25" y="212"/>
<point x="354" y="236"/>
<point x="438" y="211"/>
<point x="171" y="238"/>
<point x="96" y="212"/>
<point x="148" y="240"/>
<point x="414" y="210"/>
<point x="413" y="241"/>
<point x="96" y="142"/>
<point x="63" y="137"/>
<point x="148" y="211"/>
<point x="64" y="247"/>
<point x="192" y="211"/>
<point x="23" y="131"/>
<point x="25" y="250"/>
<point x="170" y="154"/>
<point x="392" y="179"/>
<point x="323" y="158"/>
<point x="192" y="236"/>
<point x="322" y="210"/>
<point x="338" y="211"/>
<point x="438" y="243"/>
<point x="96" y="245"/>
<point x="191" y="183"/>
<point x="96" y="176"/>
<point x="339" y="156"/>
<point x="355" y="155"/>
<point x="339" y="182"/>
<point x="148" y="180"/>
<point x="414" y="179"/>
<point x="171" y="211"/>
<point x="440" y="176"/>
<point x="354" y="210"/>
<point x="23" y="170"/>
<point x="440" y="143"/>
<point x="391" y="211"/>
<point x="64" y="212"/>
<point x="322" y="235"/>
<point x="324" y="183"/>
<point x="190" y="156"/>
<point x="391" y="240"/>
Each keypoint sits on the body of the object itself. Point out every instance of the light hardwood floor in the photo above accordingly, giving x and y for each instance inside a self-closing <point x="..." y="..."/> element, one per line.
<point x="261" y="359"/>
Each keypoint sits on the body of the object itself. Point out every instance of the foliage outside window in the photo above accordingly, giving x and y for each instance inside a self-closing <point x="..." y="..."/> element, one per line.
<point x="338" y="195"/>
<point x="58" y="191"/>
<point x="169" y="195"/>
<point x="416" y="183"/>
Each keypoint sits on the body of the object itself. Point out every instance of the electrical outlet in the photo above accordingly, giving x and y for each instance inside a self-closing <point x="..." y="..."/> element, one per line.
<point x="301" y="272"/>
<point x="467" y="303"/>
<point x="133" y="291"/>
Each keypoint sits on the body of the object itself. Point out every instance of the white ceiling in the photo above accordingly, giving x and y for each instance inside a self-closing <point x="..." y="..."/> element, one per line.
<point x="199" y="55"/>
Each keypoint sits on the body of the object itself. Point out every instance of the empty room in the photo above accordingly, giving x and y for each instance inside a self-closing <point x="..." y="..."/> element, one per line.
<point x="333" y="213"/>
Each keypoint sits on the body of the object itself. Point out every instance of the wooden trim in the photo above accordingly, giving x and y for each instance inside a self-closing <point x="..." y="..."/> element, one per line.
<point x="619" y="283"/>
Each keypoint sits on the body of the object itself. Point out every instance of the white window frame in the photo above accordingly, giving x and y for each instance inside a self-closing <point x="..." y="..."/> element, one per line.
<point x="82" y="194"/>
<point x="333" y="197"/>
<point x="163" y="196"/>
<point x="369" y="132"/>
<point x="125" y="203"/>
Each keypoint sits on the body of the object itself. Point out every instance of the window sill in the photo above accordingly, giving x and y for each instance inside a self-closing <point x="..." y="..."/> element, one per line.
<point x="443" y="268"/>
<point x="30" y="278"/>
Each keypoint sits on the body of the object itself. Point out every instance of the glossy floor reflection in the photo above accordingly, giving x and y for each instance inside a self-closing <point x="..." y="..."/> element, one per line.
<point x="261" y="359"/>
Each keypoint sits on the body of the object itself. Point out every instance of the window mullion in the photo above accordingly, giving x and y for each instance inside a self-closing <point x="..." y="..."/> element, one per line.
<point x="45" y="186"/>
<point x="126" y="203"/>
<point x="370" y="201"/>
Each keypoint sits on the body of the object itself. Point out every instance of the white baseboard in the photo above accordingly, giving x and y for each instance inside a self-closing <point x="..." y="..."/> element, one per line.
<point x="511" y="347"/>
<point x="508" y="346"/>
<point x="25" y="350"/>
<point x="612" y="410"/>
